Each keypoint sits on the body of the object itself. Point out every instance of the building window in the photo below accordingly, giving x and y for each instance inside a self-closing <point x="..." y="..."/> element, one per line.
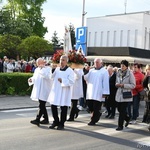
<point x="135" y="39"/>
<point x="114" y="39"/>
<point x="101" y="40"/>
<point x="121" y="37"/>
<point x="89" y="40"/>
<point x="128" y="38"/>
<point x="95" y="38"/>
<point x="108" y="34"/>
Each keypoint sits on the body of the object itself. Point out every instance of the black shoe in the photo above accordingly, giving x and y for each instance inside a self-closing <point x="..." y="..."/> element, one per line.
<point x="60" y="127"/>
<point x="111" y="117"/>
<point x="127" y="123"/>
<point x="88" y="110"/>
<point x="107" y="116"/>
<point x="35" y="122"/>
<point x="77" y="113"/>
<point x="44" y="122"/>
<point x="70" y="119"/>
<point x="91" y="123"/>
<point x="53" y="126"/>
<point x="119" y="129"/>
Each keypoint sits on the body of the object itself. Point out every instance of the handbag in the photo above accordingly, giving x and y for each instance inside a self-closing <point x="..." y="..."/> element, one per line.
<point x="127" y="94"/>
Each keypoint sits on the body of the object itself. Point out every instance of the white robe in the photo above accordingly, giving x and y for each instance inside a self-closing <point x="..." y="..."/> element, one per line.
<point x="78" y="85"/>
<point x="97" y="84"/>
<point x="61" y="93"/>
<point x="41" y="81"/>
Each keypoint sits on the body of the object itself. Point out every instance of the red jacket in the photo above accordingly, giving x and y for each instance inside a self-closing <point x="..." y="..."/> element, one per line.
<point x="139" y="80"/>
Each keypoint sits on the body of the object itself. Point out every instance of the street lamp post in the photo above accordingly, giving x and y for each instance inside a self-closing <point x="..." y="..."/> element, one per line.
<point x="83" y="13"/>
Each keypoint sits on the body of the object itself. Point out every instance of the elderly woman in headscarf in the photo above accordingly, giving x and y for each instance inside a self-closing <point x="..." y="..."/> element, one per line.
<point x="125" y="82"/>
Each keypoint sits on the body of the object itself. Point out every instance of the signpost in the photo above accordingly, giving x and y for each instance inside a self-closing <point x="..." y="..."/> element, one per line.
<point x="81" y="39"/>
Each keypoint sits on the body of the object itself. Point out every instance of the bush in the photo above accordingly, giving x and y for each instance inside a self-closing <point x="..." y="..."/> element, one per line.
<point x="15" y="83"/>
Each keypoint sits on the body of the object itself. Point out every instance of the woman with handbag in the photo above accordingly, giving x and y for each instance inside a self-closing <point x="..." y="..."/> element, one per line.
<point x="125" y="82"/>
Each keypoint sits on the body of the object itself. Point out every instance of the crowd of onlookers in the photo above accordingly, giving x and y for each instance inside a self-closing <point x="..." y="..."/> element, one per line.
<point x="11" y="65"/>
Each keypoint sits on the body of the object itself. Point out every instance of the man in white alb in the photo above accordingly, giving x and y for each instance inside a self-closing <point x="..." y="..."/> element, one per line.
<point x="97" y="88"/>
<point x="61" y="92"/>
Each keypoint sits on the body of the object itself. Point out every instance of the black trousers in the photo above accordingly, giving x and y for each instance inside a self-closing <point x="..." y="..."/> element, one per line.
<point x="74" y="108"/>
<point x="122" y="109"/>
<point x="146" y="116"/>
<point x="63" y="115"/>
<point x="42" y="111"/>
<point x="95" y="108"/>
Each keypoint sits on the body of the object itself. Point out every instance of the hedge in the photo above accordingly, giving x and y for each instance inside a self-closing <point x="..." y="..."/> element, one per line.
<point x="15" y="83"/>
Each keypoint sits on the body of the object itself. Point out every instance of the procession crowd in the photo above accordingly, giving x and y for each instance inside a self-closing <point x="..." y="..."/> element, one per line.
<point x="115" y="88"/>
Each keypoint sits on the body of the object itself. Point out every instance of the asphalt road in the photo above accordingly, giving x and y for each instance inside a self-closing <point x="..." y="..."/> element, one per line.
<point x="16" y="133"/>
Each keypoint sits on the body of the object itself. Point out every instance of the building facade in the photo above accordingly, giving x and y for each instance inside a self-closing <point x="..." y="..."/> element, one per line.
<point x="123" y="30"/>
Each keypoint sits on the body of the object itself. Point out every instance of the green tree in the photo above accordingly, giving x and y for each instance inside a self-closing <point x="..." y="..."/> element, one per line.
<point x="25" y="15"/>
<point x="31" y="11"/>
<point x="55" y="40"/>
<point x="34" y="46"/>
<point x="9" y="25"/>
<point x="9" y="44"/>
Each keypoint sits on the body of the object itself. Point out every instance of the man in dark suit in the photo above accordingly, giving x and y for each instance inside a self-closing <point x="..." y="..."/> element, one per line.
<point x="110" y="100"/>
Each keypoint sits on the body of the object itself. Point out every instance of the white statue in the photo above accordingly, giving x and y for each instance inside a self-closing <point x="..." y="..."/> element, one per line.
<point x="67" y="41"/>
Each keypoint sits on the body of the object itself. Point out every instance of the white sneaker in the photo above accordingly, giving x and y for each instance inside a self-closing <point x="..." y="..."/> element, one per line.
<point x="132" y="122"/>
<point x="80" y="108"/>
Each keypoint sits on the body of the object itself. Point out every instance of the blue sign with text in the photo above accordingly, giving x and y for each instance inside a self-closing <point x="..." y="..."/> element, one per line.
<point x="81" y="39"/>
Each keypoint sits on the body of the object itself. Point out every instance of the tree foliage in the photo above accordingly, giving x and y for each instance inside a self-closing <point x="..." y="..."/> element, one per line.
<point x="55" y="40"/>
<point x="34" y="46"/>
<point x="23" y="18"/>
<point x="9" y="44"/>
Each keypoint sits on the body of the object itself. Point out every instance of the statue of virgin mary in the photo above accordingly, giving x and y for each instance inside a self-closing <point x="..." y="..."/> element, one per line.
<point x="67" y="41"/>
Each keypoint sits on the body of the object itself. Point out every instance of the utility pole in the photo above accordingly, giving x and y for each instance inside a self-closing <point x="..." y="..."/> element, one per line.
<point x="83" y="13"/>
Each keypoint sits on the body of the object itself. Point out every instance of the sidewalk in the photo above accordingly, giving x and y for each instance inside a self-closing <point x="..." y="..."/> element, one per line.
<point x="16" y="102"/>
<point x="19" y="102"/>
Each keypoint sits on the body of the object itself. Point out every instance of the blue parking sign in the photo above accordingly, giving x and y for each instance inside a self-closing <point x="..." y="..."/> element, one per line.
<point x="81" y="39"/>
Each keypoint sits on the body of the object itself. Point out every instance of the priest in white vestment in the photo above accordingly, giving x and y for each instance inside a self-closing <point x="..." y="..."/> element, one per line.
<point x="97" y="89"/>
<point x="61" y="92"/>
<point x="77" y="93"/>
<point x="41" y="81"/>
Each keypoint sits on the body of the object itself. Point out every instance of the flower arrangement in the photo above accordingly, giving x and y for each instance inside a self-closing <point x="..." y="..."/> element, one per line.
<point x="57" y="55"/>
<point x="74" y="56"/>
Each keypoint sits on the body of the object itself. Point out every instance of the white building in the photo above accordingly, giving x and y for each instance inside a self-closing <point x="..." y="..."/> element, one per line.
<point x="123" y="30"/>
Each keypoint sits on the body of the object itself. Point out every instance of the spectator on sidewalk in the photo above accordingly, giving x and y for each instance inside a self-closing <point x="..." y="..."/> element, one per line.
<point x="41" y="81"/>
<point x="10" y="66"/>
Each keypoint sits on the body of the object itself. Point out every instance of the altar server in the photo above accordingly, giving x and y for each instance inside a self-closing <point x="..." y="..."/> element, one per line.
<point x="97" y="89"/>
<point x="61" y="92"/>
<point x="41" y="81"/>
